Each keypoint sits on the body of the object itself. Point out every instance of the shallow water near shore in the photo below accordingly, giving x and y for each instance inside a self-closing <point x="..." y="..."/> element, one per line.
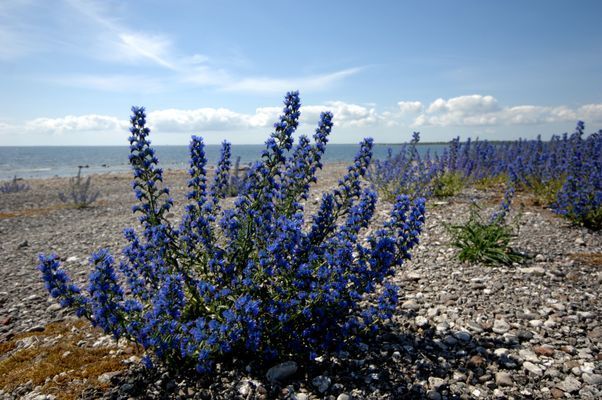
<point x="49" y="161"/>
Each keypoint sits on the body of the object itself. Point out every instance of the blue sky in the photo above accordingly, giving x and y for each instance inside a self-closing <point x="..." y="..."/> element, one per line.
<point x="70" y="70"/>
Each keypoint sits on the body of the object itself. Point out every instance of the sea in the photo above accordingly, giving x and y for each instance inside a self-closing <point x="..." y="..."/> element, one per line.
<point x="50" y="161"/>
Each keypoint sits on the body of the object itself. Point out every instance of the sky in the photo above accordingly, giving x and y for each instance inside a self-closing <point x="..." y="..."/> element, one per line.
<point x="70" y="70"/>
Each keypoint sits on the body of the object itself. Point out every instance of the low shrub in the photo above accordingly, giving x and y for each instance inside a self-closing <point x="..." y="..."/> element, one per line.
<point x="448" y="184"/>
<point x="491" y="182"/>
<point x="486" y="240"/>
<point x="80" y="193"/>
<point x="545" y="192"/>
<point x="248" y="280"/>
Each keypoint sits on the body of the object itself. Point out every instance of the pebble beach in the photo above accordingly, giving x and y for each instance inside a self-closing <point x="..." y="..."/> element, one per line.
<point x="461" y="331"/>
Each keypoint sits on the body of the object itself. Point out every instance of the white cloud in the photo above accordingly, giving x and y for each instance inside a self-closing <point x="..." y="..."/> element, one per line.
<point x="479" y="110"/>
<point x="70" y="123"/>
<point x="279" y="85"/>
<point x="410" y="107"/>
<point x="218" y="119"/>
<point x="468" y="111"/>
<point x="174" y="120"/>
<point x="153" y="47"/>
<point x="345" y="114"/>
<point x="206" y="119"/>
<point x="591" y="112"/>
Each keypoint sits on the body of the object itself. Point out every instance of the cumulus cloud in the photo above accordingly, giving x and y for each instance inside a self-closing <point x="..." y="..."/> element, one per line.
<point x="218" y="119"/>
<point x="410" y="107"/>
<point x="591" y="112"/>
<point x="207" y="119"/>
<point x="473" y="110"/>
<point x="71" y="123"/>
<point x="214" y="119"/>
<point x="345" y="114"/>
<point x="479" y="110"/>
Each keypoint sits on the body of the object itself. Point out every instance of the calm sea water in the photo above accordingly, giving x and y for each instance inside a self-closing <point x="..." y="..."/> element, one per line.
<point x="43" y="162"/>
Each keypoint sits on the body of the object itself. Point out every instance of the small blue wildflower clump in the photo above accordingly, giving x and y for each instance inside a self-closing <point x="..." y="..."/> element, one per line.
<point x="580" y="197"/>
<point x="249" y="280"/>
<point x="13" y="186"/>
<point x="407" y="172"/>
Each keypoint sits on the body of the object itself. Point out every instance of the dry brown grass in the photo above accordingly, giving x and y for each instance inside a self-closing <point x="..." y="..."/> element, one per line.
<point x="31" y="212"/>
<point x="591" y="259"/>
<point x="60" y="367"/>
<point x="34" y="212"/>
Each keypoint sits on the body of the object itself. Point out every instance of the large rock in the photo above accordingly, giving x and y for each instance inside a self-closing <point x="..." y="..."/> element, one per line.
<point x="280" y="372"/>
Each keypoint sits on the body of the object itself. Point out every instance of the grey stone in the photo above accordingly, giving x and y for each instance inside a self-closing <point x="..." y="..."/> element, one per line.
<point x="107" y="376"/>
<point x="410" y="305"/>
<point x="421" y="321"/>
<point x="463" y="336"/>
<point x="433" y="395"/>
<point x="459" y="376"/>
<point x="281" y="371"/>
<point x="503" y="379"/>
<point x="436" y="383"/>
<point x="538" y="271"/>
<point x="412" y="276"/>
<point x="592" y="379"/>
<point x="442" y="327"/>
<point x="500" y="326"/>
<point x="528" y="355"/>
<point x="321" y="382"/>
<point x="500" y="352"/>
<point x="570" y="384"/>
<point x="53" y="307"/>
<point x="532" y="368"/>
<point x="344" y="396"/>
<point x="550" y="323"/>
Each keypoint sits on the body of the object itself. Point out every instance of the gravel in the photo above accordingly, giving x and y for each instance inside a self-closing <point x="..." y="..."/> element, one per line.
<point x="461" y="331"/>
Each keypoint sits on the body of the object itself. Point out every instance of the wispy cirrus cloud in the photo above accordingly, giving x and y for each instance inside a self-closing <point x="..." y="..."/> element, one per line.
<point x="279" y="85"/>
<point x="101" y="30"/>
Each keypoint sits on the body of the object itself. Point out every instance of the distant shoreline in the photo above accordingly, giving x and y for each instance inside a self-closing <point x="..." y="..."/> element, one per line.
<point x="261" y="144"/>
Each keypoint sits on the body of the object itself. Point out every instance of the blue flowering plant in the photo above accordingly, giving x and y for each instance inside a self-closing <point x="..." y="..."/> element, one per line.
<point x="259" y="279"/>
<point x="564" y="173"/>
<point x="404" y="173"/>
<point x="13" y="186"/>
<point x="580" y="197"/>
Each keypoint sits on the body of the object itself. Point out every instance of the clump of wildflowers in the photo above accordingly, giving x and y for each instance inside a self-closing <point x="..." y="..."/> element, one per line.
<point x="13" y="186"/>
<point x="248" y="280"/>
<point x="580" y="197"/>
<point x="564" y="173"/>
<point x="406" y="172"/>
